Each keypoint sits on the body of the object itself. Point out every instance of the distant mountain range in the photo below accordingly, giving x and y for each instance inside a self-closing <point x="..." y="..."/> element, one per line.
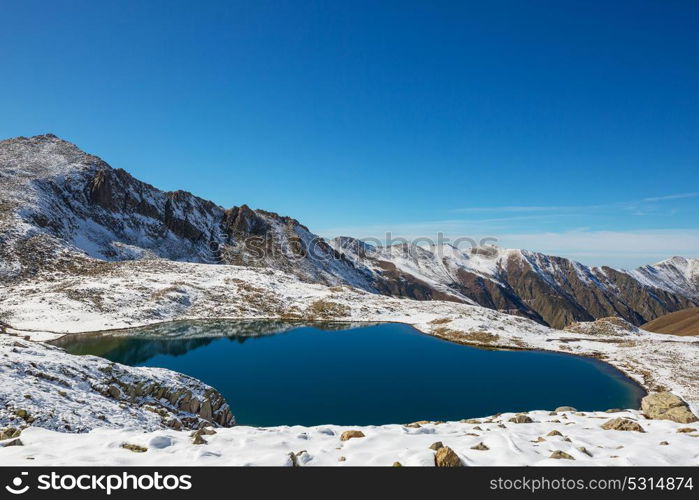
<point x="552" y="290"/>
<point x="60" y="206"/>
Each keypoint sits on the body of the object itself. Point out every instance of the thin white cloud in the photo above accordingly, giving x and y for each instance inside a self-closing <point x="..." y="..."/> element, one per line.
<point x="672" y="197"/>
<point x="624" y="205"/>
<point x="509" y="209"/>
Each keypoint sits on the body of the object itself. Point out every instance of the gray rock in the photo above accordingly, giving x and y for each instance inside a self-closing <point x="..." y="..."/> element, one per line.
<point x="14" y="442"/>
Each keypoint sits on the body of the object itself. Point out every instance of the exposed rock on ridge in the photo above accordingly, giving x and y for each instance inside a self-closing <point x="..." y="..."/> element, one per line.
<point x="61" y="207"/>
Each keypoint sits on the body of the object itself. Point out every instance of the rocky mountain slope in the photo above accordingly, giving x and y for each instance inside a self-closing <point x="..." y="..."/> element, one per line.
<point x="60" y="205"/>
<point x="552" y="290"/>
<point x="676" y="275"/>
<point x="63" y="210"/>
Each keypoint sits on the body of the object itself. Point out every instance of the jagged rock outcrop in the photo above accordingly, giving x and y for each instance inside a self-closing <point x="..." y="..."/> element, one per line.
<point x="58" y="199"/>
<point x="44" y="386"/>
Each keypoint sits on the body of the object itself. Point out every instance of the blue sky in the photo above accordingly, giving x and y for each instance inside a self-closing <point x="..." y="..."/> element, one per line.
<point x="561" y="126"/>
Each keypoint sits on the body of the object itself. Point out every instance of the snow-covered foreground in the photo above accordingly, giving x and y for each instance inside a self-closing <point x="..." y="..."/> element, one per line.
<point x="503" y="443"/>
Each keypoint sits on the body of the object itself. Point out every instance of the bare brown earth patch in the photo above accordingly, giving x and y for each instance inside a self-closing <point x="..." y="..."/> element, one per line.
<point x="466" y="337"/>
<point x="684" y="322"/>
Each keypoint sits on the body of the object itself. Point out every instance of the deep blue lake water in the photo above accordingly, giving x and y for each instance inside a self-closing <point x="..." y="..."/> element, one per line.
<point x="387" y="373"/>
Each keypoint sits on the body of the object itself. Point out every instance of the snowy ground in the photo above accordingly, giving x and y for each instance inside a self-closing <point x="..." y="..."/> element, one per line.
<point x="581" y="437"/>
<point x="125" y="294"/>
<point x="43" y="386"/>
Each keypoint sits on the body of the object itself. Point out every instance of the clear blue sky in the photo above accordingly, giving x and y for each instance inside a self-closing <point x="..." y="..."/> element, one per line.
<point x="563" y="126"/>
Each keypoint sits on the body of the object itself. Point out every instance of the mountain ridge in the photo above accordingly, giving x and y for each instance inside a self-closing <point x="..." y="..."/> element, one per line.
<point x="62" y="204"/>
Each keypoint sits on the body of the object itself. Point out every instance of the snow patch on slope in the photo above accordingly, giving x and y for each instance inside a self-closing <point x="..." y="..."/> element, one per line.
<point x="676" y="275"/>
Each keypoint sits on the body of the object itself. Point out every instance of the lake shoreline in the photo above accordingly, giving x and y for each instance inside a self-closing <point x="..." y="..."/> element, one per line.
<point x="130" y="296"/>
<point x="555" y="348"/>
<point x="471" y="380"/>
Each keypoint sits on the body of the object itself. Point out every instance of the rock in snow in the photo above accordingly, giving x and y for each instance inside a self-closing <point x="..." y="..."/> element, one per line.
<point x="445" y="457"/>
<point x="622" y="424"/>
<point x="667" y="406"/>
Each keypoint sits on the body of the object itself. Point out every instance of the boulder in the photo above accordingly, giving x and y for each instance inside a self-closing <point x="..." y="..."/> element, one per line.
<point x="622" y="424"/>
<point x="584" y="450"/>
<point x="561" y="455"/>
<point x="23" y="414"/>
<point x="347" y="435"/>
<point x="521" y="419"/>
<point x="114" y="391"/>
<point x="204" y="431"/>
<point x="436" y="446"/>
<point x="565" y="408"/>
<point x="446" y="457"/>
<point x="206" y="412"/>
<point x="9" y="433"/>
<point x="554" y="433"/>
<point x="198" y="437"/>
<point x="13" y="442"/>
<point x="667" y="406"/>
<point x="480" y="447"/>
<point x="134" y="447"/>
<point x="299" y="458"/>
